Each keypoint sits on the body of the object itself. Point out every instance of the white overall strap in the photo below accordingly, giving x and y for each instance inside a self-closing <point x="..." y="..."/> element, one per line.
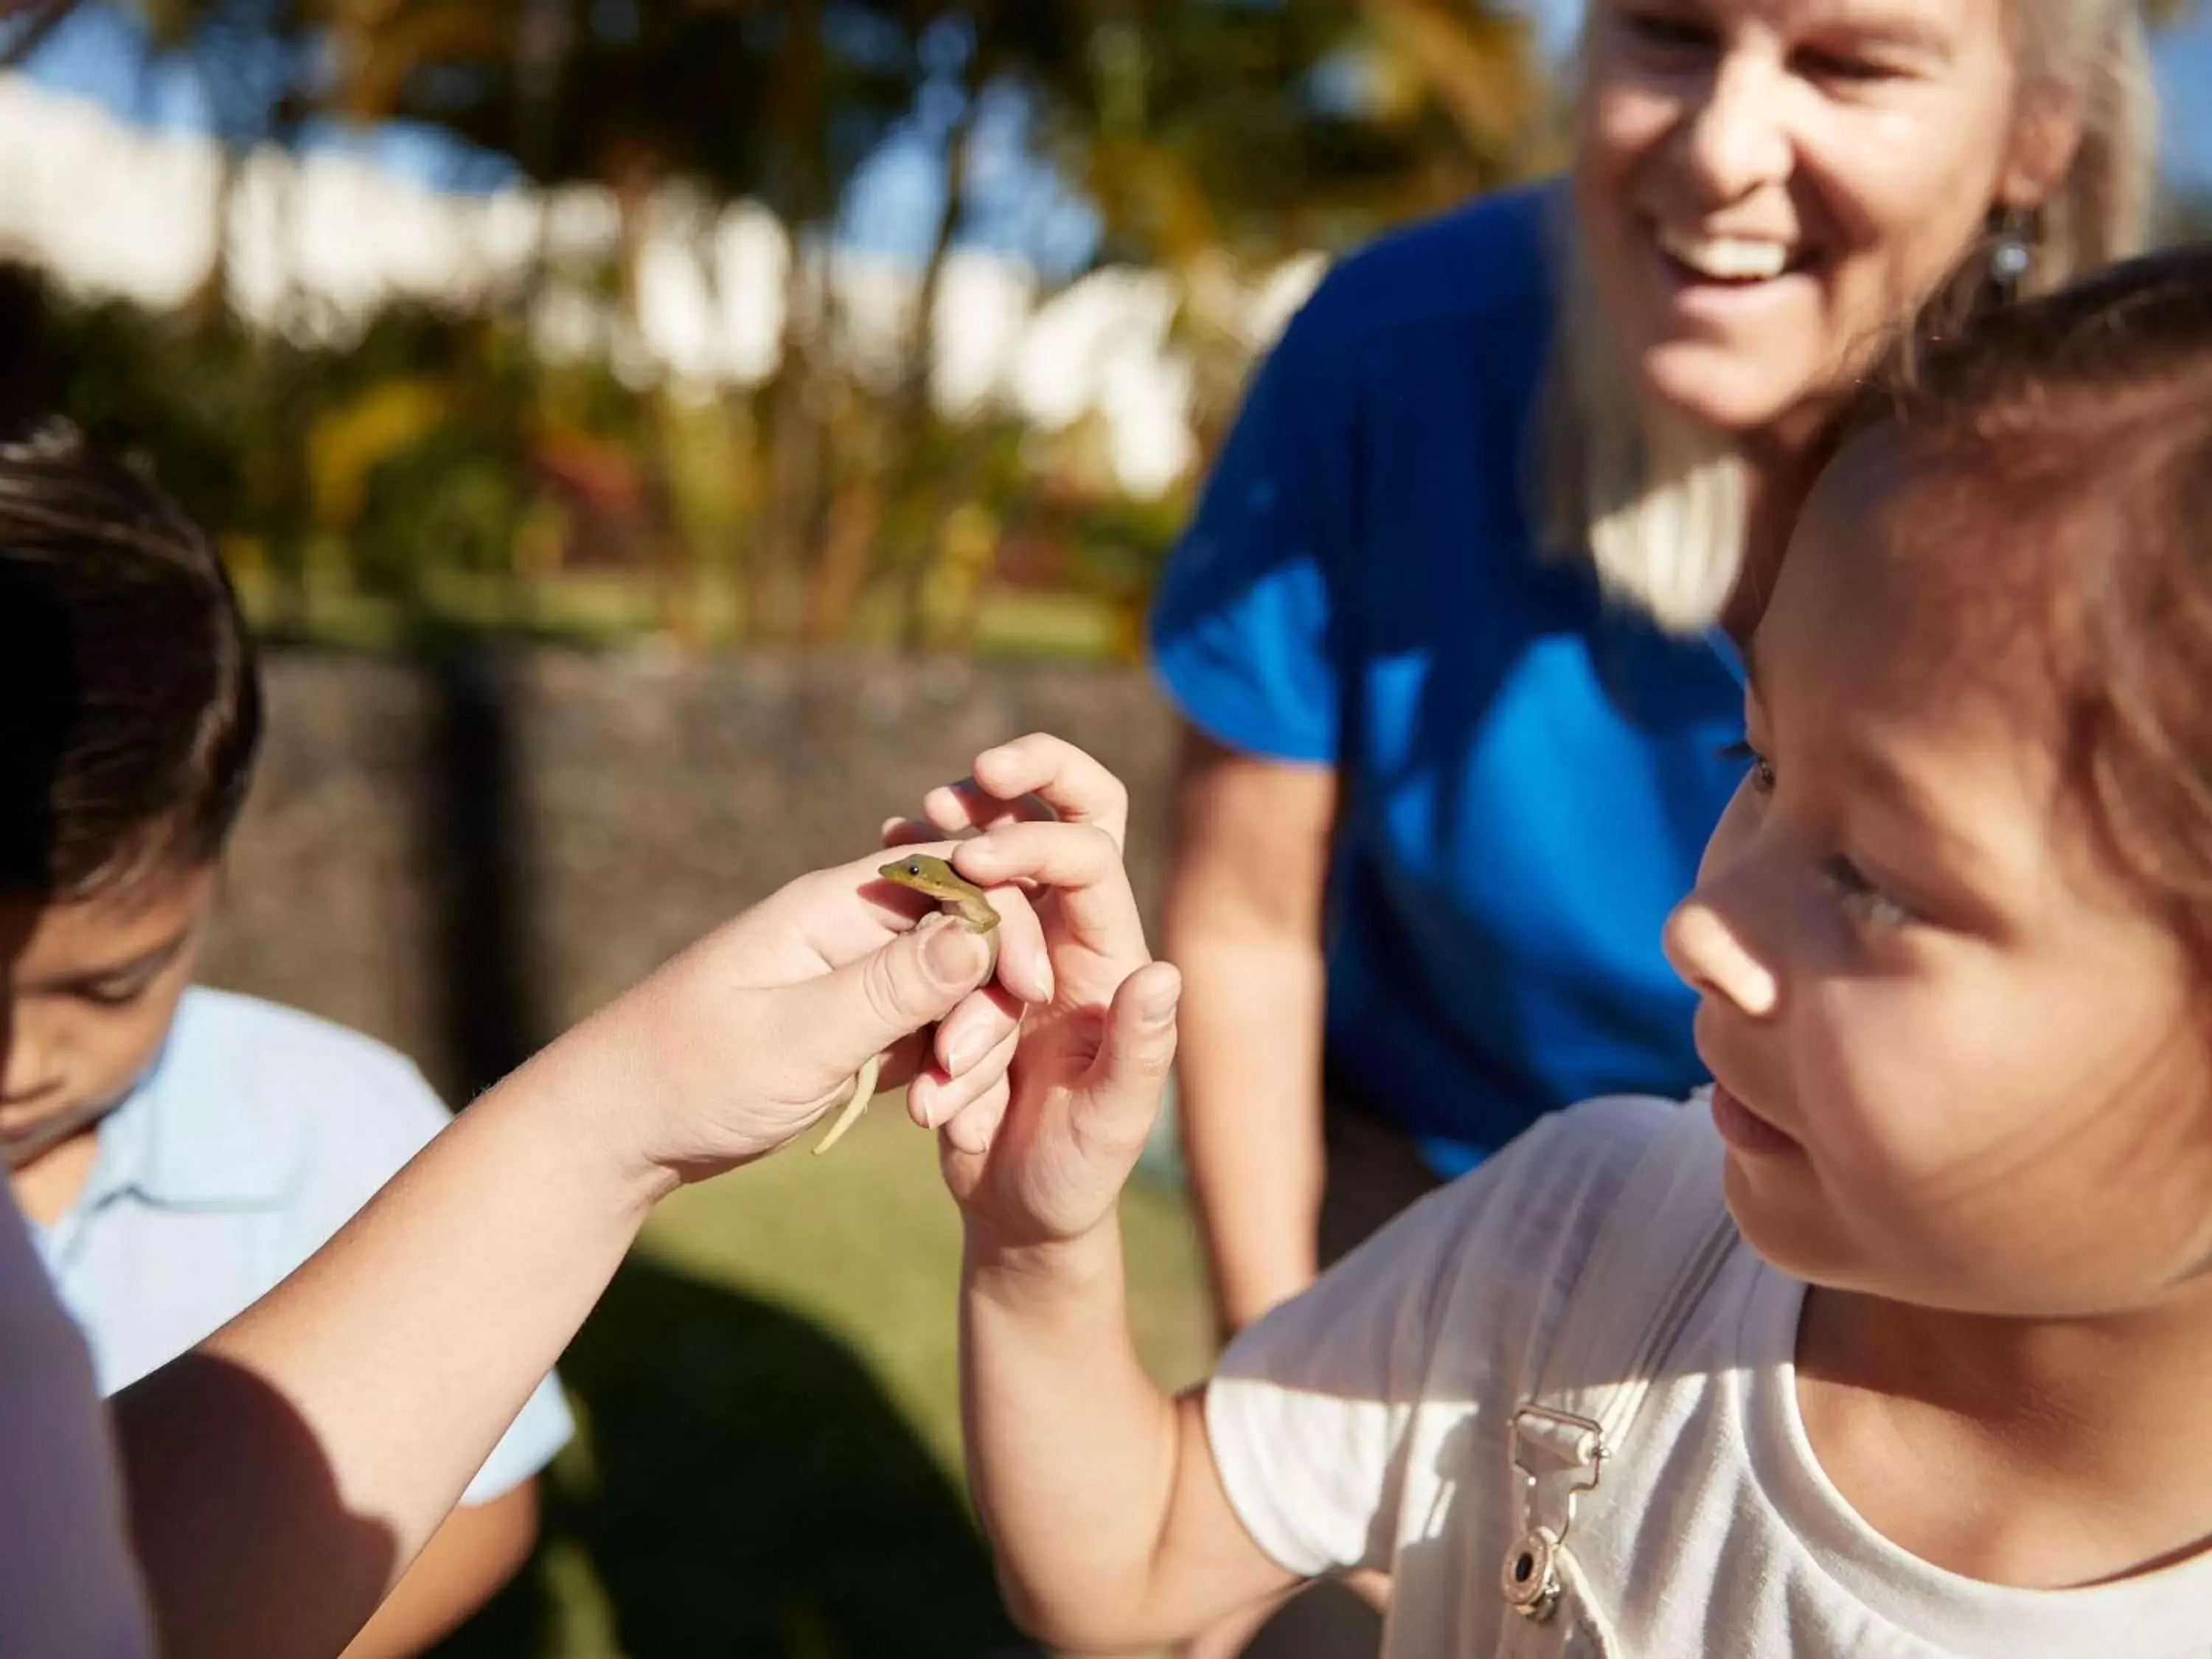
<point x="1663" y="1242"/>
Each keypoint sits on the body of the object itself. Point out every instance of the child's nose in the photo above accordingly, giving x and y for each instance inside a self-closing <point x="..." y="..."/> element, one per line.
<point x="25" y="1071"/>
<point x="1713" y="957"/>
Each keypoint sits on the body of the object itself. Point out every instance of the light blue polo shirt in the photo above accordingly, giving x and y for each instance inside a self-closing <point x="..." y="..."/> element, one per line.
<point x="1528" y="772"/>
<point x="255" y="1135"/>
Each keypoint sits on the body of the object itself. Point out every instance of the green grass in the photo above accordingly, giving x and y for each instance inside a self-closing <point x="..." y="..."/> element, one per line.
<point x="768" y="1461"/>
<point x="601" y="610"/>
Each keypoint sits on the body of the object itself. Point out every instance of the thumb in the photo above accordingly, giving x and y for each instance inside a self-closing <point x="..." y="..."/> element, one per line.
<point x="1121" y="1095"/>
<point x="840" y="1020"/>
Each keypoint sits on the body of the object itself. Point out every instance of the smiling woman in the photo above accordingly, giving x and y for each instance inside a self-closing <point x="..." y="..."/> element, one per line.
<point x="1455" y="629"/>
<point x="1761" y="194"/>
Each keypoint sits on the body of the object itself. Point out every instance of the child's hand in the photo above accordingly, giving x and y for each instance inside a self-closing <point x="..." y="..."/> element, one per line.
<point x="742" y="1042"/>
<point x="1094" y="1055"/>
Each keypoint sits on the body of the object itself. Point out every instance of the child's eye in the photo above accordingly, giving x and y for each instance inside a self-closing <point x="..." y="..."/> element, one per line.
<point x="1860" y="898"/>
<point x="1762" y="769"/>
<point x="114" y="993"/>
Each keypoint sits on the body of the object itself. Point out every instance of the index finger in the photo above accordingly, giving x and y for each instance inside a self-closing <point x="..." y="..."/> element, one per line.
<point x="1083" y="866"/>
<point x="1016" y="779"/>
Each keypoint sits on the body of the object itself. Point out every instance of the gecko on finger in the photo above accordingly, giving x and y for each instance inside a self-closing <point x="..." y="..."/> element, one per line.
<point x="958" y="898"/>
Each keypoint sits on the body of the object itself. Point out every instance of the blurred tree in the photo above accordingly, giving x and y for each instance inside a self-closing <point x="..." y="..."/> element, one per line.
<point x="1216" y="136"/>
<point x="2185" y="216"/>
<point x="1203" y="128"/>
<point x="1267" y="128"/>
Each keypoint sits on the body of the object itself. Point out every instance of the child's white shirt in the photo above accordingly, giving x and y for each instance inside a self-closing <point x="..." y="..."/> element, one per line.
<point x="1367" y="1424"/>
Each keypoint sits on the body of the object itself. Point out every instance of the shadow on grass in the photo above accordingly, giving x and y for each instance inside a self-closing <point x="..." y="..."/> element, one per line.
<point x="753" y="1491"/>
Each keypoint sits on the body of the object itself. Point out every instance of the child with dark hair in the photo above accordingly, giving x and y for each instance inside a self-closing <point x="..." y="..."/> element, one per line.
<point x="179" y="1150"/>
<point x="1897" y="1343"/>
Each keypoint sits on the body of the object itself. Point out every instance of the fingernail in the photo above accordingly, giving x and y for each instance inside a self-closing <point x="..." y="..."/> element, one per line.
<point x="953" y="955"/>
<point x="962" y="1052"/>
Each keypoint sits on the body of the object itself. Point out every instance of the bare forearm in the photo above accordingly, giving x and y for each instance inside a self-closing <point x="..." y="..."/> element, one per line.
<point x="1072" y="1448"/>
<point x="283" y="1474"/>
<point x="1244" y="922"/>
<point x="1249" y="1074"/>
<point x="466" y="1561"/>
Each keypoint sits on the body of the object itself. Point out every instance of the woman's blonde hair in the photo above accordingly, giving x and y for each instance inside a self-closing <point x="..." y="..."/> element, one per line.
<point x="1661" y="503"/>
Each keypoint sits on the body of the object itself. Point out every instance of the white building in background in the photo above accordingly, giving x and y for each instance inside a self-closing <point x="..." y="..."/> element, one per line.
<point x="315" y="244"/>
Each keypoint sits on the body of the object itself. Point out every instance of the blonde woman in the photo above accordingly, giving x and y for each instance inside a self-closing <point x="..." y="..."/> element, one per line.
<point x="1453" y="632"/>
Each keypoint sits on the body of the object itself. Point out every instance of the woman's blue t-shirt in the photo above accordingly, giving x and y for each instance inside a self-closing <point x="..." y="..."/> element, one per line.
<point x="1529" y="772"/>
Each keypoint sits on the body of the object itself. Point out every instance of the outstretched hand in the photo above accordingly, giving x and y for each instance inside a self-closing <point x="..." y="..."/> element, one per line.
<point x="741" y="1043"/>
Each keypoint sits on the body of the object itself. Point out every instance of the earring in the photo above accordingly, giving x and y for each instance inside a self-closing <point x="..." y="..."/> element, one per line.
<point x="2016" y="232"/>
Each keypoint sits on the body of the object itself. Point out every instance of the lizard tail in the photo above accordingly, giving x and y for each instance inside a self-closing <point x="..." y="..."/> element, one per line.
<point x="864" y="1091"/>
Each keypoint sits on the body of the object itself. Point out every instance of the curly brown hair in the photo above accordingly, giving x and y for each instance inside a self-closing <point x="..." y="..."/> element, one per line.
<point x="2068" y="449"/>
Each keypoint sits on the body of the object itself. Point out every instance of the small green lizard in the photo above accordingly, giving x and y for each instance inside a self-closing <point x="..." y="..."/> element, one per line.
<point x="959" y="898"/>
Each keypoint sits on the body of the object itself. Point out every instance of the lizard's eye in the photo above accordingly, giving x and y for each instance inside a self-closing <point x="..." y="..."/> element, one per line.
<point x="913" y="867"/>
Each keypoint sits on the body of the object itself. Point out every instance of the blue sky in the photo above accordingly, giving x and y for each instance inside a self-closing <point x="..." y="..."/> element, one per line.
<point x="1018" y="204"/>
<point x="2185" y="81"/>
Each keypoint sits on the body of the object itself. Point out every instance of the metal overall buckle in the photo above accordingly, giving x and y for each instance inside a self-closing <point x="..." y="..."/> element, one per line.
<point x="1559" y="1456"/>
